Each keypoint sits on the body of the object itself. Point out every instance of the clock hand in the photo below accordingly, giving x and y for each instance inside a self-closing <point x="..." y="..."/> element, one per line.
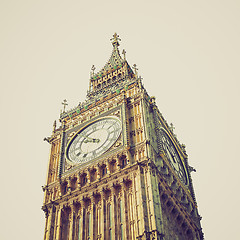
<point x="88" y="139"/>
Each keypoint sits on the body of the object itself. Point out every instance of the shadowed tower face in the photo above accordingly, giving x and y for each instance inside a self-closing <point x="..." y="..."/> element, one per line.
<point x="116" y="170"/>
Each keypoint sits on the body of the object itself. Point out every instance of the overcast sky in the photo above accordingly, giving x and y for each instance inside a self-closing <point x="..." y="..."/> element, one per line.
<point x="188" y="55"/>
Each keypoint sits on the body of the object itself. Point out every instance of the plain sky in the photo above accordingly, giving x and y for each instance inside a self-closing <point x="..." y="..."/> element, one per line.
<point x="188" y="53"/>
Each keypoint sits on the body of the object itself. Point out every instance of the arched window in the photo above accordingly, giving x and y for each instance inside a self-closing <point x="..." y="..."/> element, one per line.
<point x="64" y="188"/>
<point x="103" y="170"/>
<point x="65" y="224"/>
<point x="88" y="226"/>
<point x="93" y="175"/>
<point x="73" y="184"/>
<point x="83" y="179"/>
<point x="113" y="166"/>
<point x="123" y="161"/>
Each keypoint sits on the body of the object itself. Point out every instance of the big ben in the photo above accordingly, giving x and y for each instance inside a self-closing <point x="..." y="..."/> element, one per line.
<point x="116" y="169"/>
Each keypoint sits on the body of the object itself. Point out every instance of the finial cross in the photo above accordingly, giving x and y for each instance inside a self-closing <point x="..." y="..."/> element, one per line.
<point x="64" y="103"/>
<point x="93" y="69"/>
<point x="115" y="39"/>
<point x="124" y="54"/>
<point x="135" y="68"/>
<point x="171" y="127"/>
<point x="54" y="125"/>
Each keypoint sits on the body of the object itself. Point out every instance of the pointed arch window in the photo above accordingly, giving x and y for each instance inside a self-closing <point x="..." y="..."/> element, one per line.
<point x="65" y="224"/>
<point x="88" y="229"/>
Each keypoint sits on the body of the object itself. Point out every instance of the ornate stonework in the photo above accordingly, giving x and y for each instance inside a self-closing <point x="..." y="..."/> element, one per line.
<point x="135" y="189"/>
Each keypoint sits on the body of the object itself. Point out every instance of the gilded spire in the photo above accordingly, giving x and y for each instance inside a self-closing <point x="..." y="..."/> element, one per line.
<point x="115" y="62"/>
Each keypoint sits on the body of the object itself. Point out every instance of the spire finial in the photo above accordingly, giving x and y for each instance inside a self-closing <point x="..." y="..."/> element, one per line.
<point x="171" y="127"/>
<point x="54" y="125"/>
<point x="93" y="69"/>
<point x="135" y="69"/>
<point x="115" y="39"/>
<point x="64" y="103"/>
<point x="124" y="54"/>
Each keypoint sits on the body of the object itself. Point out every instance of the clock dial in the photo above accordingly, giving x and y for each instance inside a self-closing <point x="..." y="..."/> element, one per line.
<point x="93" y="140"/>
<point x="173" y="157"/>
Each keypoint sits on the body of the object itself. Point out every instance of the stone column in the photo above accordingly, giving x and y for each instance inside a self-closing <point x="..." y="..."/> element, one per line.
<point x="58" y="227"/>
<point x="49" y="223"/>
<point x="132" y="215"/>
<point x="69" y="187"/>
<point x="98" y="223"/>
<point x="118" y="163"/>
<point x="141" y="203"/>
<point x="71" y="222"/>
<point x="80" y="233"/>
<point x="108" y="166"/>
<point x="155" y="210"/>
<point x="88" y="175"/>
<point x="146" y="128"/>
<point x="102" y="222"/>
<point x="91" y="222"/>
<point x="98" y="172"/>
<point x="135" y="208"/>
<point x="79" y="181"/>
<point x="124" y="212"/>
<point x="113" y="213"/>
<point x="128" y="155"/>
<point x="46" y="221"/>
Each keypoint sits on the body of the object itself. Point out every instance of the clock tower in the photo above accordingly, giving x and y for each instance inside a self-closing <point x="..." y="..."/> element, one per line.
<point x="116" y="170"/>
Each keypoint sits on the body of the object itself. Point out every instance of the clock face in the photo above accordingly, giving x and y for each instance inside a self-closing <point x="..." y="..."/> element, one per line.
<point x="173" y="157"/>
<point x="93" y="140"/>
